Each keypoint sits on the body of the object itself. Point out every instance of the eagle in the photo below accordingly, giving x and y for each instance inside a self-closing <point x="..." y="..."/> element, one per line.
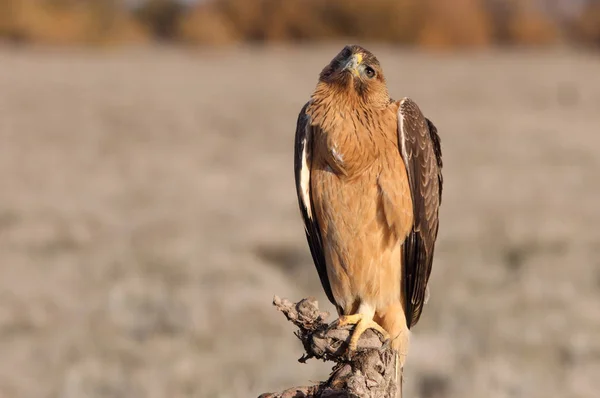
<point x="368" y="173"/>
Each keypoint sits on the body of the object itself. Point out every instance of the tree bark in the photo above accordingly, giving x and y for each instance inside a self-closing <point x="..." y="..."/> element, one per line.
<point x="370" y="372"/>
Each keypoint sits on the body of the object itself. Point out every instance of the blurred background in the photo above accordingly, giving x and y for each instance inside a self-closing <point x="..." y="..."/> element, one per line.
<point x="424" y="23"/>
<point x="148" y="210"/>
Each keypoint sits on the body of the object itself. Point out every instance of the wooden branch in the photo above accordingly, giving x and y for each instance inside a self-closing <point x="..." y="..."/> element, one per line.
<point x="370" y="372"/>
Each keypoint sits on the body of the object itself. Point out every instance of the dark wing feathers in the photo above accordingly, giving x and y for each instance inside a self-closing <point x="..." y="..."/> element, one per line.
<point x="421" y="151"/>
<point x="302" y="165"/>
<point x="437" y="149"/>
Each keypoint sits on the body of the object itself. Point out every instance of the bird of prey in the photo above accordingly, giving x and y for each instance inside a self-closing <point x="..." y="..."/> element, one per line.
<point x="369" y="184"/>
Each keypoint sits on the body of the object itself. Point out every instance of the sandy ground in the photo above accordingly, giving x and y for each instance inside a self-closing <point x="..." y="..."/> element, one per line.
<point x="148" y="215"/>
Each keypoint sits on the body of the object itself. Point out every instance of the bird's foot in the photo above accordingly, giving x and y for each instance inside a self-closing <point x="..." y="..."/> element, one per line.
<point x="362" y="324"/>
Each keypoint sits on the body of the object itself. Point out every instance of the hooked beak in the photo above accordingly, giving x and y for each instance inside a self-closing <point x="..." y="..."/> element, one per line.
<point x="353" y="63"/>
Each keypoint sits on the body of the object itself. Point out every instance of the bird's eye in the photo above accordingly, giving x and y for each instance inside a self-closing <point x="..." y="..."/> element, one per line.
<point x="370" y="72"/>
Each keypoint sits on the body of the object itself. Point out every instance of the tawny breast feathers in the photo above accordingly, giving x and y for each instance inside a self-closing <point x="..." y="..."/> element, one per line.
<point x="360" y="146"/>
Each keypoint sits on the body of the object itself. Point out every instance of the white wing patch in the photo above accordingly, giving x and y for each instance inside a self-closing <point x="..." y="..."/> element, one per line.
<point x="305" y="178"/>
<point x="337" y="155"/>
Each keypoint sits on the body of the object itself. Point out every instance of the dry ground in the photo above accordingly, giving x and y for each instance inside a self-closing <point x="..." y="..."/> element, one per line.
<point x="148" y="215"/>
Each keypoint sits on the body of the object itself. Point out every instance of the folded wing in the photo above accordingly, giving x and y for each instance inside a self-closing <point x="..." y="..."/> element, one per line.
<point x="302" y="171"/>
<point x="421" y="151"/>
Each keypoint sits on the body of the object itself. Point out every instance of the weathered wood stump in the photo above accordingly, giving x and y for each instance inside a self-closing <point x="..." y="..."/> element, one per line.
<point x="370" y="372"/>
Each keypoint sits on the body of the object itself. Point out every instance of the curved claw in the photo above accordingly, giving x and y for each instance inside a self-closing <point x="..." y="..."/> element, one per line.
<point x="362" y="324"/>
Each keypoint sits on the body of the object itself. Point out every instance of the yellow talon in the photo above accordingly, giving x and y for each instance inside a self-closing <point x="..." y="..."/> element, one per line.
<point x="350" y="319"/>
<point x="362" y="324"/>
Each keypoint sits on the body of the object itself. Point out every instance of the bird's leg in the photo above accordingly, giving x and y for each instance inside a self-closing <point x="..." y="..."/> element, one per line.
<point x="362" y="322"/>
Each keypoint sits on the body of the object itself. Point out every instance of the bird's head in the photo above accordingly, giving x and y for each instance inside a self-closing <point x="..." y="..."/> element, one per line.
<point x="356" y="71"/>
